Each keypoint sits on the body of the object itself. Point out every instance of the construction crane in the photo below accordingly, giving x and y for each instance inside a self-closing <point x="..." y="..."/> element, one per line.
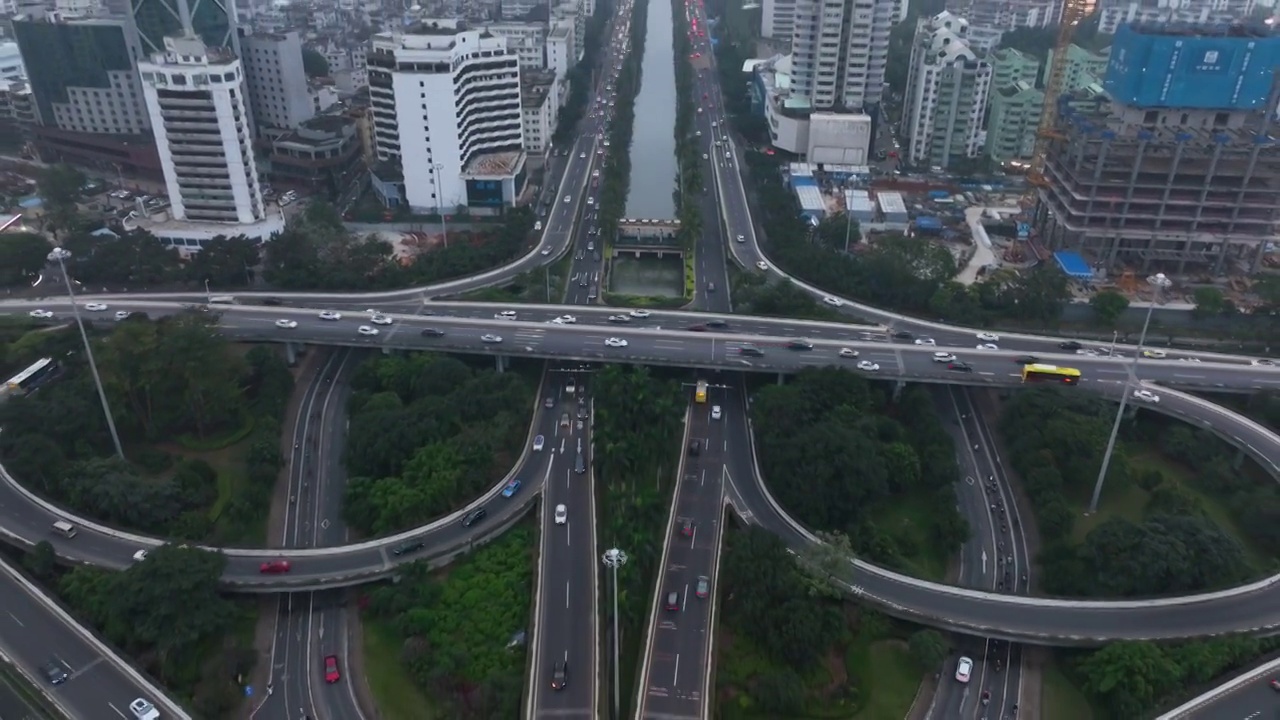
<point x="1074" y="12"/>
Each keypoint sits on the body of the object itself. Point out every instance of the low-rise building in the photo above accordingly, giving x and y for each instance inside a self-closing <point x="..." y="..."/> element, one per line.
<point x="540" y="104"/>
<point x="322" y="156"/>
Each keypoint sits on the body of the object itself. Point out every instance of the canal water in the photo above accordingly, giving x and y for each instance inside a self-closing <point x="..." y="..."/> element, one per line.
<point x="653" y="142"/>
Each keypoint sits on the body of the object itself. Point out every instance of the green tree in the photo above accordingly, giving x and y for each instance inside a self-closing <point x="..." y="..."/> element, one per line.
<point x="22" y="257"/>
<point x="1108" y="306"/>
<point x="59" y="187"/>
<point x="1129" y="676"/>
<point x="314" y="64"/>
<point x="42" y="562"/>
<point x="928" y="649"/>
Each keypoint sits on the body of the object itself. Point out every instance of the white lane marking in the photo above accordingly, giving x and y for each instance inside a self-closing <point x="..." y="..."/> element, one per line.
<point x="113" y="707"/>
<point x="15" y="619"/>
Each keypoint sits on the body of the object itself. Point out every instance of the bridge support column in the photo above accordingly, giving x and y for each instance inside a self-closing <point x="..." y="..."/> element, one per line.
<point x="897" y="389"/>
<point x="1238" y="460"/>
<point x="387" y="351"/>
<point x="501" y="362"/>
<point x="782" y="379"/>
<point x="291" y="352"/>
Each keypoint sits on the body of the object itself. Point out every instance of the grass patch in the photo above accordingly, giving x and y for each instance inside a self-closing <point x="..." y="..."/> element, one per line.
<point x="230" y="464"/>
<point x="907" y="520"/>
<point x="393" y="690"/>
<point x="886" y="675"/>
<point x="1060" y="699"/>
<point x="217" y="442"/>
<point x="1129" y="502"/>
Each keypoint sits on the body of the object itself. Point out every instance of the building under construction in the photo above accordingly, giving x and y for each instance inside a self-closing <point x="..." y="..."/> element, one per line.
<point x="1176" y="168"/>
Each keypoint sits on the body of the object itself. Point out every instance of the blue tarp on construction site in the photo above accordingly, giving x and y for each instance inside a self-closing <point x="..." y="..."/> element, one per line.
<point x="1073" y="265"/>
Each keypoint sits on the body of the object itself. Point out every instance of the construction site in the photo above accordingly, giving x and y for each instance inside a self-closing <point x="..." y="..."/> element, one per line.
<point x="1185" y="181"/>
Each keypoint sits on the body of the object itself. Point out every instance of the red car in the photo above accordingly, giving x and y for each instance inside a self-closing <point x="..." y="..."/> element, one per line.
<point x="274" y="566"/>
<point x="331" y="674"/>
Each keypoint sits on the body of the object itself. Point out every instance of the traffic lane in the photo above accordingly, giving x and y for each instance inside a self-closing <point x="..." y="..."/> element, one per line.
<point x="13" y="705"/>
<point x="32" y="635"/>
<point x="1247" y="702"/>
<point x="1001" y="502"/>
<point x="677" y="668"/>
<point x="567" y="619"/>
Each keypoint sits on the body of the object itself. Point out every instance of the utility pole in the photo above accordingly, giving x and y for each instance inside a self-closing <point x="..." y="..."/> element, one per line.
<point x="614" y="559"/>
<point x="1158" y="282"/>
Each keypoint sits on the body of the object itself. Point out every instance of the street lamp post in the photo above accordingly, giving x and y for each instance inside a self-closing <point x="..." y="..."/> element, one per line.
<point x="60" y="254"/>
<point x="614" y="559"/>
<point x="444" y="228"/>
<point x="1158" y="283"/>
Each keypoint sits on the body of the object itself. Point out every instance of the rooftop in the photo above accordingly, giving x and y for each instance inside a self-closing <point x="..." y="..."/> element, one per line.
<point x="500" y="164"/>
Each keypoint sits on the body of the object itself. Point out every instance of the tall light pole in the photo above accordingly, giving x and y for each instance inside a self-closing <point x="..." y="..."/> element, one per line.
<point x="61" y="254"/>
<point x="444" y="229"/>
<point x="614" y="559"/>
<point x="1158" y="283"/>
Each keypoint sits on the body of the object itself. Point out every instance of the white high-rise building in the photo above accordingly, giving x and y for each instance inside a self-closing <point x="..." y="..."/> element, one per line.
<point x="777" y="19"/>
<point x="196" y="101"/>
<point x="838" y="53"/>
<point x="275" y="79"/>
<point x="447" y="118"/>
<point x="11" y="69"/>
<point x="946" y="97"/>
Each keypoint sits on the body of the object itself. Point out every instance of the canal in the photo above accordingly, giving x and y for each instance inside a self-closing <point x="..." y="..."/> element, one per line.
<point x="653" y="141"/>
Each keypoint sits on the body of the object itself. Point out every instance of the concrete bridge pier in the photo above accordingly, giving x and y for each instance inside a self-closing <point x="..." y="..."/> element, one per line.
<point x="501" y="362"/>
<point x="898" y="386"/>
<point x="782" y="378"/>
<point x="291" y="352"/>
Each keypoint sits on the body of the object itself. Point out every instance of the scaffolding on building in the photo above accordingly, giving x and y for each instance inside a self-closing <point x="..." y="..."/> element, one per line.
<point x="1161" y="196"/>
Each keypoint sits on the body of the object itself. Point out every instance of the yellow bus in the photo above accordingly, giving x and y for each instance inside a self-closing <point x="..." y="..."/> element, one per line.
<point x="700" y="395"/>
<point x="1036" y="372"/>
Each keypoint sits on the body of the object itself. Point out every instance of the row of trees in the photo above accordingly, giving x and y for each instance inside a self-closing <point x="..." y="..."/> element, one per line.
<point x="758" y="294"/>
<point x="168" y="614"/>
<point x="836" y="449"/>
<point x="689" y="181"/>
<point x="173" y="386"/>
<point x="458" y="629"/>
<point x="1056" y="441"/>
<point x="1133" y="679"/>
<point x="427" y="434"/>
<point x="580" y="76"/>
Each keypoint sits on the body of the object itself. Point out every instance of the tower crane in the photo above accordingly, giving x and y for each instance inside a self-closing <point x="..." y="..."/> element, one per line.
<point x="1074" y="12"/>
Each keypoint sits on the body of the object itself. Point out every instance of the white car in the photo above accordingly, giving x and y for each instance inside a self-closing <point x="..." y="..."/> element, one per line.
<point x="868" y="366"/>
<point x="741" y="238"/>
<point x="762" y="265"/>
<point x="964" y="669"/>
<point x="538" y="443"/>
<point x="595" y="173"/>
<point x="1262" y="362"/>
<point x="926" y="341"/>
<point x="381" y="320"/>
<point x="40" y="314"/>
<point x="286" y="324"/>
<point x="988" y="337"/>
<point x="565" y="320"/>
<point x="833" y="302"/>
<point x="1146" y="396"/>
<point x="615" y="342"/>
<point x="1189" y="359"/>
<point x="505" y="315"/>
<point x="715" y="412"/>
<point x="848" y="353"/>
<point x="546" y="251"/>
<point x="142" y="709"/>
<point x="330" y="315"/>
<point x="122" y="314"/>
<point x="1088" y="352"/>
<point x="140" y="555"/>
<point x="941" y="357"/>
<point x="367" y="330"/>
<point x="95" y="306"/>
<point x="642" y="314"/>
<point x="988" y="346"/>
<point x="491" y="339"/>
<point x="562" y="514"/>
<point x="568" y="198"/>
<point x="1155" y="354"/>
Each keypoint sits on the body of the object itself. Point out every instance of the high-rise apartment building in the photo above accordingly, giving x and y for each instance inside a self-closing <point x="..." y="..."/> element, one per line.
<point x="447" y="118"/>
<point x="1017" y="101"/>
<point x="11" y="62"/>
<point x="1008" y="14"/>
<point x="1114" y="13"/>
<point x="275" y="79"/>
<point x="200" y="118"/>
<point x="946" y="96"/>
<point x="838" y="53"/>
<point x="777" y="19"/>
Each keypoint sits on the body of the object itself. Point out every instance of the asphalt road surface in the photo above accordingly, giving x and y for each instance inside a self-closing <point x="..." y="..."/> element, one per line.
<point x="1255" y="700"/>
<point x="311" y="626"/>
<point x="676" y="671"/>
